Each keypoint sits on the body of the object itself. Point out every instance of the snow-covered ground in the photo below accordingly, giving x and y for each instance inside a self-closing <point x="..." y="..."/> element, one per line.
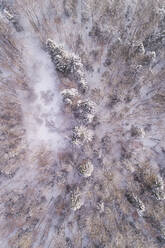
<point x="82" y="169"/>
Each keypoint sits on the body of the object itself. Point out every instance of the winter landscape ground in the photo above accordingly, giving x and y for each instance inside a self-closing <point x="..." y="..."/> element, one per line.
<point x="82" y="123"/>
